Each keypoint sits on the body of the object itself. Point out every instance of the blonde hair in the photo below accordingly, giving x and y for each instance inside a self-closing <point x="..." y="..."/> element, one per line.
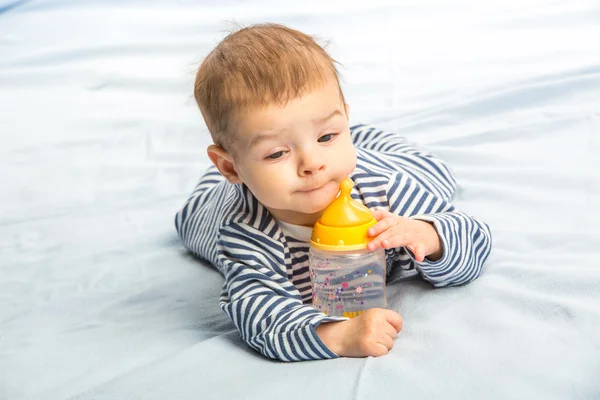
<point x="254" y="67"/>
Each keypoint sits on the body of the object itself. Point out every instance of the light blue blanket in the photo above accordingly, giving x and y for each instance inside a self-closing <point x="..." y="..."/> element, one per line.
<point x="101" y="142"/>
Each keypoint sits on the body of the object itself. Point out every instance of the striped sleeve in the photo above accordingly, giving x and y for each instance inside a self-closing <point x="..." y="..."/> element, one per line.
<point x="197" y="222"/>
<point x="260" y="300"/>
<point x="467" y="244"/>
<point x="209" y="180"/>
<point x="404" y="155"/>
<point x="466" y="241"/>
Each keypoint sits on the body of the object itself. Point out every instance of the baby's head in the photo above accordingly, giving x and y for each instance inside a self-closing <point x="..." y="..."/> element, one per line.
<point x="271" y="99"/>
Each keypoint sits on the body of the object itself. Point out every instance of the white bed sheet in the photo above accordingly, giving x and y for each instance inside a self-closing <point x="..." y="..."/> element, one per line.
<point x="101" y="143"/>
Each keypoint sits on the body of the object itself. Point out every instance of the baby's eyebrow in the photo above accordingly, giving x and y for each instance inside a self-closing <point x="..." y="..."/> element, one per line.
<point x="321" y="121"/>
<point x="261" y="137"/>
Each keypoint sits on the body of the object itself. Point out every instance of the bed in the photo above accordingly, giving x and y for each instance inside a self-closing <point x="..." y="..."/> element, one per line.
<point x="101" y="143"/>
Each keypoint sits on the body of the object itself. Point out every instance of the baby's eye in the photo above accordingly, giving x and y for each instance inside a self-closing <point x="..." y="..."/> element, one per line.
<point x="277" y="155"/>
<point x="326" y="138"/>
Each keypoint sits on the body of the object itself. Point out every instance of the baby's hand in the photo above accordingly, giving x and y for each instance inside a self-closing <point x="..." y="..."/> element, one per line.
<point x="392" y="230"/>
<point x="370" y="334"/>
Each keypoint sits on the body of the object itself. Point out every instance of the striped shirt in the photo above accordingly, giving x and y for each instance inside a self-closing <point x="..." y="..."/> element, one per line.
<point x="267" y="290"/>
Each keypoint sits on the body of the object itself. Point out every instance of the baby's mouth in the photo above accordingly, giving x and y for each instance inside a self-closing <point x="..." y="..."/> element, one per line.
<point x="314" y="188"/>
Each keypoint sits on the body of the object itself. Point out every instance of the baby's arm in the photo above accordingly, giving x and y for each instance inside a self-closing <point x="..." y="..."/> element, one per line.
<point x="261" y="301"/>
<point x="268" y="312"/>
<point x="402" y="154"/>
<point x="466" y="242"/>
<point x="372" y="333"/>
<point x="198" y="208"/>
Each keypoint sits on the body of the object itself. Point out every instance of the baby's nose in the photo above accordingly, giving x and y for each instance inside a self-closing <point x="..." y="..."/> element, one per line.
<point x="311" y="163"/>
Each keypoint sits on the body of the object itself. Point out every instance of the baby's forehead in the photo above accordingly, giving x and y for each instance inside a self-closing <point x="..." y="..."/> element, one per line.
<point x="310" y="111"/>
<point x="262" y="125"/>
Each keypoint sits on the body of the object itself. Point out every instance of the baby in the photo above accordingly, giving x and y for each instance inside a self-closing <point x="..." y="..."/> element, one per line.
<point x="271" y="99"/>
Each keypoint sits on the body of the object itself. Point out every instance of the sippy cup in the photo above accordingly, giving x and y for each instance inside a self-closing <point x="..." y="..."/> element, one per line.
<point x="346" y="278"/>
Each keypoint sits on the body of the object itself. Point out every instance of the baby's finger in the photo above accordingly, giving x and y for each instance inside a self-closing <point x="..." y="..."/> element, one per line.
<point x="377" y="214"/>
<point x="373" y="245"/>
<point x="394" y="319"/>
<point x="381" y="213"/>
<point x="380" y="350"/>
<point x="419" y="257"/>
<point x="417" y="252"/>
<point x="394" y="239"/>
<point x="391" y="331"/>
<point x="379" y="227"/>
<point x="385" y="213"/>
<point x="379" y="240"/>
<point x="386" y="340"/>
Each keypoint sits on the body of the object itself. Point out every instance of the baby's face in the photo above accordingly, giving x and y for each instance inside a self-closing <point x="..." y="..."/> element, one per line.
<point x="294" y="157"/>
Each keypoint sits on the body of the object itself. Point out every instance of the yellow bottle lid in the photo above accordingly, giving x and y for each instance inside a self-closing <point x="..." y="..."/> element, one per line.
<point x="344" y="223"/>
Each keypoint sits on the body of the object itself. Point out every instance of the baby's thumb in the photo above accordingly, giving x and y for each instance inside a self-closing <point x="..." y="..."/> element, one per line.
<point x="394" y="319"/>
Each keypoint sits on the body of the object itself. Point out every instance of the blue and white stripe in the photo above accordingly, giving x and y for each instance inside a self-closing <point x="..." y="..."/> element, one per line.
<point x="390" y="151"/>
<point x="267" y="285"/>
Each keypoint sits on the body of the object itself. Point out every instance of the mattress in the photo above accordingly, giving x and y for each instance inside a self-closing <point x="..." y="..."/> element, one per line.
<point x="102" y="143"/>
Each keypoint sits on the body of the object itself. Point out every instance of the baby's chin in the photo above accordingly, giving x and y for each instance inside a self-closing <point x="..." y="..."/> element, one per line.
<point x="316" y="205"/>
<point x="313" y="210"/>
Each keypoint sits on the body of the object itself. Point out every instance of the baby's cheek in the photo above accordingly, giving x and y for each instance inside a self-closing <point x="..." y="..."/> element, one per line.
<point x="347" y="158"/>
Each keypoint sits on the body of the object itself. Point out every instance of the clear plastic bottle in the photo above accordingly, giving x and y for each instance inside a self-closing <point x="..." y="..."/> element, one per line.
<point x="346" y="278"/>
<point x="347" y="283"/>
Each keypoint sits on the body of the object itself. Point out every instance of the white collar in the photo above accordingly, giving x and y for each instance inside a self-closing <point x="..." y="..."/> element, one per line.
<point x="299" y="232"/>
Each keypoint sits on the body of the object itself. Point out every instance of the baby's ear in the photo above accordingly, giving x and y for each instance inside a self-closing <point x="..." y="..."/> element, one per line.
<point x="224" y="163"/>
